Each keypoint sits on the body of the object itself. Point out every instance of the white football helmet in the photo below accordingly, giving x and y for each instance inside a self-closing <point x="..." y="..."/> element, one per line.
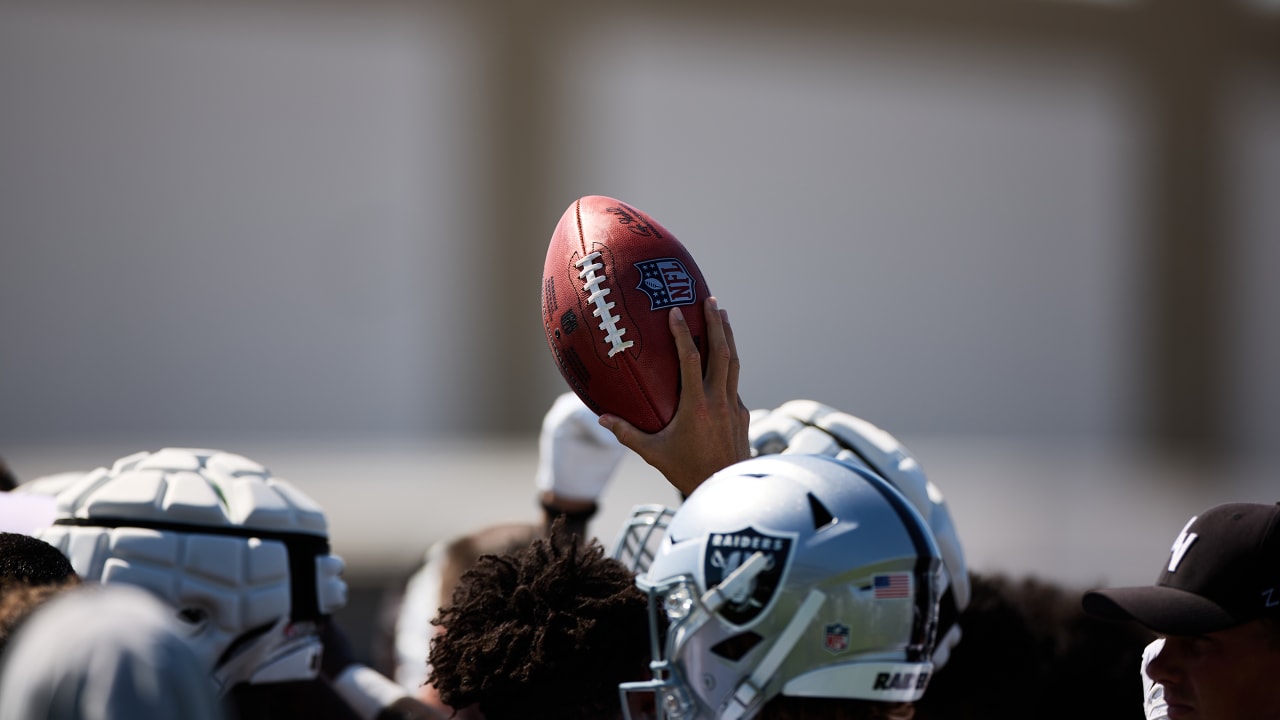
<point x="809" y="427"/>
<point x="242" y="555"/>
<point x="795" y="575"/>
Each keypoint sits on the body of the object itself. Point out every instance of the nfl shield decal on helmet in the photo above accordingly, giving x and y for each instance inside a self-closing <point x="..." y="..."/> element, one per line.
<point x="666" y="282"/>
<point x="725" y="552"/>
<point x="837" y="638"/>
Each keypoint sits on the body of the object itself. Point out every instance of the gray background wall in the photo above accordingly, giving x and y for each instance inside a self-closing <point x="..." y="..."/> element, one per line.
<point x="1035" y="240"/>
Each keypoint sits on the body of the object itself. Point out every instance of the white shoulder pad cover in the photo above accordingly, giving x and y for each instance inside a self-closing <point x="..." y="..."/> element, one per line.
<point x="208" y="488"/>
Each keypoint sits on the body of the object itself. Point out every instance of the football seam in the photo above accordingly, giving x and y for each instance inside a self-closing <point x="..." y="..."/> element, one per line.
<point x="577" y="216"/>
<point x="608" y="323"/>
<point x="643" y="391"/>
<point x="597" y="296"/>
<point x="627" y="362"/>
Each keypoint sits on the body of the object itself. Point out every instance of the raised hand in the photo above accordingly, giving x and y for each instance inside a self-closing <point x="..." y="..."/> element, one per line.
<point x="709" y="430"/>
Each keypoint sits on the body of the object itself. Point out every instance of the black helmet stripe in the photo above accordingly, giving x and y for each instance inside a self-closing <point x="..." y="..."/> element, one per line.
<point x="922" y="629"/>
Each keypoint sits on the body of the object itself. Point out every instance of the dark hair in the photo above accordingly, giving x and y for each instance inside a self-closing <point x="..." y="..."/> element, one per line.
<point x="32" y="561"/>
<point x="19" y="600"/>
<point x="31" y="572"/>
<point x="1027" y="643"/>
<point x="547" y="631"/>
<point x="1272" y="625"/>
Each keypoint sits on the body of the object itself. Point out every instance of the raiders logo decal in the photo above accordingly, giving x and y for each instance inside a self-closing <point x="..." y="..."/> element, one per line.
<point x="723" y="554"/>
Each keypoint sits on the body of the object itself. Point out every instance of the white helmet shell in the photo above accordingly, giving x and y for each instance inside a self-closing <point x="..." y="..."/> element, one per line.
<point x="242" y="555"/>
<point x="809" y="427"/>
<point x="797" y="575"/>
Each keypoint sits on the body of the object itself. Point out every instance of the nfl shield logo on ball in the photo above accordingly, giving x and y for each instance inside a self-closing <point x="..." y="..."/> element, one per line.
<point x="837" y="638"/>
<point x="666" y="282"/>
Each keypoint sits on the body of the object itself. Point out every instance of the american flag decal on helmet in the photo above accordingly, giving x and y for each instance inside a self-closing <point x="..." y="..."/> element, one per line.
<point x="892" y="586"/>
<point x="666" y="282"/>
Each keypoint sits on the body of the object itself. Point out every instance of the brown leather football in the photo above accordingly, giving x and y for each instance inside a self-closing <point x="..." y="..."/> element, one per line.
<point x="611" y="277"/>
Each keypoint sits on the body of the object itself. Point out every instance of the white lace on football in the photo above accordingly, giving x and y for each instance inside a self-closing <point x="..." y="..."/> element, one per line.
<point x="604" y="309"/>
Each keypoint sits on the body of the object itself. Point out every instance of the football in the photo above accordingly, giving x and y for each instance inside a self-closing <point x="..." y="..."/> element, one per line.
<point x="611" y="277"/>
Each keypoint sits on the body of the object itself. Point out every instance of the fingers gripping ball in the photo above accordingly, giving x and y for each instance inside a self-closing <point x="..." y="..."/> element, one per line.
<point x="576" y="456"/>
<point x="809" y="427"/>
<point x="611" y="277"/>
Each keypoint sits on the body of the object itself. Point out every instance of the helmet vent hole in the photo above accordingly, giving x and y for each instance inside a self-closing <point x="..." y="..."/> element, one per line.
<point x="822" y="517"/>
<point x="735" y="647"/>
<point x="193" y="615"/>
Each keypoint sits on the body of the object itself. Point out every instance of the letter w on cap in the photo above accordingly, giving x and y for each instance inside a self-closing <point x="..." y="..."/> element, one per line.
<point x="1181" y="545"/>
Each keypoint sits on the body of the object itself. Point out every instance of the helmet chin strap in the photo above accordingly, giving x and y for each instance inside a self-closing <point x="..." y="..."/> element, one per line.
<point x="748" y="691"/>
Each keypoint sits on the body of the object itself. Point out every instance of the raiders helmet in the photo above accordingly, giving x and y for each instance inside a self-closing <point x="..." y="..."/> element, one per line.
<point x="241" y="555"/>
<point x="797" y="575"/>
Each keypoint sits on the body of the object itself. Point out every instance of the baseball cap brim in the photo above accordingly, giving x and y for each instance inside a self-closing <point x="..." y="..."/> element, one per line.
<point x="1165" y="610"/>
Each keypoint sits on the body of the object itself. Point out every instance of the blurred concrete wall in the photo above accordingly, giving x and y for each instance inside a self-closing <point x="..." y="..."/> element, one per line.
<point x="231" y="222"/>
<point x="1038" y="240"/>
<point x="309" y="218"/>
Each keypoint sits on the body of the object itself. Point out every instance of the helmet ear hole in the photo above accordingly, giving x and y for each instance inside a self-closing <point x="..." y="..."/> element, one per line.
<point x="193" y="615"/>
<point x="736" y="647"/>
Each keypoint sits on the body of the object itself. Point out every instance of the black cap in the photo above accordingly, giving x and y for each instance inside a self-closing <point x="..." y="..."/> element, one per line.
<point x="1223" y="571"/>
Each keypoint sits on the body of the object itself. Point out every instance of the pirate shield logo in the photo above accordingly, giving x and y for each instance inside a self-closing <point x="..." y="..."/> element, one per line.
<point x="725" y="552"/>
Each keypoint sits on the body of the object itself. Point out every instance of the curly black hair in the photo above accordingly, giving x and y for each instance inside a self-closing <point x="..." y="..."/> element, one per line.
<point x="547" y="631"/>
<point x="29" y="560"/>
<point x="31" y="572"/>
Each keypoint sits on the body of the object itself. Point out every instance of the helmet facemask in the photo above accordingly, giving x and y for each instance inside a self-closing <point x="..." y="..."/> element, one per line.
<point x="640" y="536"/>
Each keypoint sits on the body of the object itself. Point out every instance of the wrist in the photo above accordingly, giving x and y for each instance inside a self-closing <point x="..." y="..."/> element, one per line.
<point x="553" y="503"/>
<point x="573" y="513"/>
